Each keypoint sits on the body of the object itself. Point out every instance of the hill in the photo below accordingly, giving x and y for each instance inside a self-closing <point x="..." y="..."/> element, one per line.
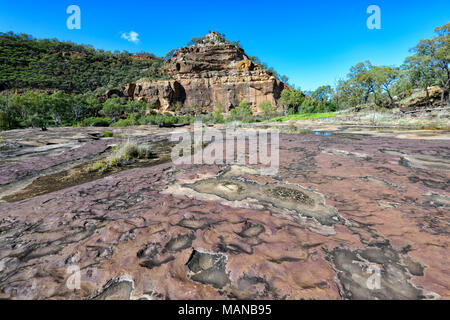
<point x="47" y="64"/>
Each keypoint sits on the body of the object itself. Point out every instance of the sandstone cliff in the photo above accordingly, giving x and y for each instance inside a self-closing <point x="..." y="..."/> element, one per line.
<point x="205" y="74"/>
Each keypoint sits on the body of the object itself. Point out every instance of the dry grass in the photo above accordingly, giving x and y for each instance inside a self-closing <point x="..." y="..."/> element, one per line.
<point x="123" y="154"/>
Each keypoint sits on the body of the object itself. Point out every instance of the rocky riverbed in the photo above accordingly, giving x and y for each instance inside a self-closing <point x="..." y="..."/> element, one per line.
<point x="343" y="209"/>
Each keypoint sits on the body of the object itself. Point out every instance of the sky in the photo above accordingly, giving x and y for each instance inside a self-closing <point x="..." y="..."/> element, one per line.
<point x="314" y="43"/>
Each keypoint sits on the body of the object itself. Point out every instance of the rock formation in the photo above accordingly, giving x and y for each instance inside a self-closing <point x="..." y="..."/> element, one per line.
<point x="419" y="98"/>
<point x="203" y="75"/>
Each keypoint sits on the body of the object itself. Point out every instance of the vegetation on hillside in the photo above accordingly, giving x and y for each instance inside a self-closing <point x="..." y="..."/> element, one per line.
<point x="47" y="64"/>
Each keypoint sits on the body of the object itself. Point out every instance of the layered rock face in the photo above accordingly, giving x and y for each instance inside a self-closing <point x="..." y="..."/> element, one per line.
<point x="205" y="75"/>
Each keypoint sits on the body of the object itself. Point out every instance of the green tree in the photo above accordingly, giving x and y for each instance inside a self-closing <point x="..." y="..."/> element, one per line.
<point x="137" y="107"/>
<point x="59" y="107"/>
<point x="93" y="104"/>
<point x="363" y="80"/>
<point x="429" y="65"/>
<point x="292" y="99"/>
<point x="114" y="108"/>
<point x="322" y="96"/>
<point x="385" y="79"/>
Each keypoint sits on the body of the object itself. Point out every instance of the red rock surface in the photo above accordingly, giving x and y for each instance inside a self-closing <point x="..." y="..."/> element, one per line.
<point x="147" y="233"/>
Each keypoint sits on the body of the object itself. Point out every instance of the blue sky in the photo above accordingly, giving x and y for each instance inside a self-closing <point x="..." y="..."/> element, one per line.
<point x="312" y="42"/>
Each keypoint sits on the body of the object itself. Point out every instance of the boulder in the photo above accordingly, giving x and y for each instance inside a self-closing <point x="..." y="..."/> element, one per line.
<point x="418" y="99"/>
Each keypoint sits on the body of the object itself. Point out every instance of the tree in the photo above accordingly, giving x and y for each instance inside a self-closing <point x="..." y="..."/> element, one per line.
<point x="363" y="80"/>
<point x="431" y="60"/>
<point x="137" y="107"/>
<point x="322" y="96"/>
<point x="345" y="94"/>
<point x="385" y="78"/>
<point x="292" y="99"/>
<point x="113" y="108"/>
<point x="59" y="107"/>
<point x="421" y="72"/>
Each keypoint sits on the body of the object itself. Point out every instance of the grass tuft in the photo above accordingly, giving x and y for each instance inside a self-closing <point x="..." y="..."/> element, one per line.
<point x="122" y="155"/>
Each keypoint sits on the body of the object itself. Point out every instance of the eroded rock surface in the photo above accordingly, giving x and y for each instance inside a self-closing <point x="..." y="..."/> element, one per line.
<point x="316" y="230"/>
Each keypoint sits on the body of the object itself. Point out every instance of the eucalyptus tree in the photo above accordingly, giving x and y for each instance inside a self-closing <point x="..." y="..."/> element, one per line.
<point x="429" y="64"/>
<point x="385" y="78"/>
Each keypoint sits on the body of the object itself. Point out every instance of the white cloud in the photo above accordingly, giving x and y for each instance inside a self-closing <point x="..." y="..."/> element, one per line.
<point x="131" y="36"/>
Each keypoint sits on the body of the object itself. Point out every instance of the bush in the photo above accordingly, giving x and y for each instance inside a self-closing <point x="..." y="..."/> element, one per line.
<point x="218" y="113"/>
<point x="308" y="106"/>
<point x="268" y="110"/>
<point x="124" y="123"/>
<point x="108" y="134"/>
<point x="8" y="124"/>
<point x="96" y="122"/>
<point x="243" y="112"/>
<point x="154" y="119"/>
<point x="158" y="119"/>
<point x="177" y="107"/>
<point x="139" y="108"/>
<point x="38" y="122"/>
<point x="114" y="108"/>
<point x="4" y="125"/>
<point x="122" y="155"/>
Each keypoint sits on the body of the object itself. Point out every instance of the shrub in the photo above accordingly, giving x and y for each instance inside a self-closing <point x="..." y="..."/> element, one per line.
<point x="158" y="119"/>
<point x="4" y="125"/>
<point x="151" y="119"/>
<point x="96" y="122"/>
<point x="125" y="122"/>
<point x="128" y="151"/>
<point x="37" y="122"/>
<point x="308" y="106"/>
<point x="268" y="110"/>
<point x="177" y="107"/>
<point x="243" y="112"/>
<point x="108" y="134"/>
<point x="123" y="154"/>
<point x="218" y="113"/>
<point x="114" y="108"/>
<point x="138" y="108"/>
